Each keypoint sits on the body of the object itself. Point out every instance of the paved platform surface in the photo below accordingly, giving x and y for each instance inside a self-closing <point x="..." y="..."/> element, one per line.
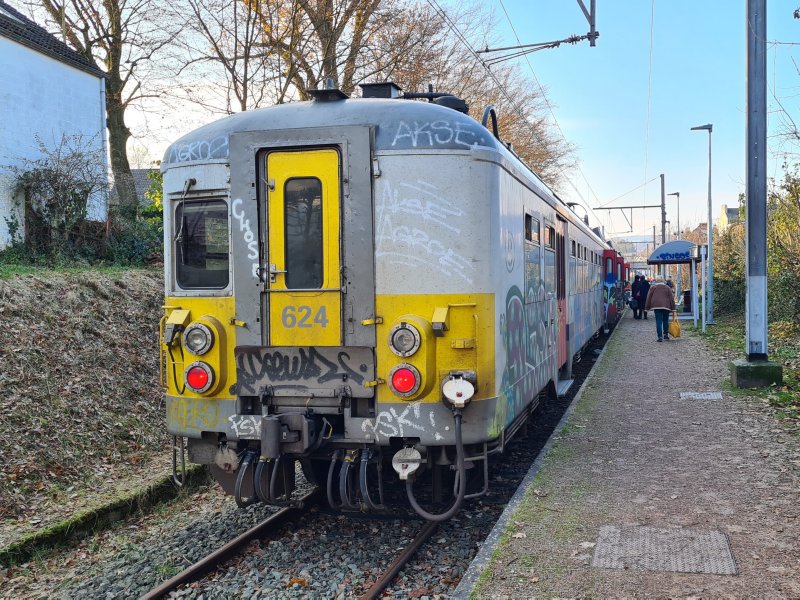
<point x="648" y="495"/>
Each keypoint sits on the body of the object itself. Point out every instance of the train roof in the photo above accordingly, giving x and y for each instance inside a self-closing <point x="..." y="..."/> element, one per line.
<point x="398" y="124"/>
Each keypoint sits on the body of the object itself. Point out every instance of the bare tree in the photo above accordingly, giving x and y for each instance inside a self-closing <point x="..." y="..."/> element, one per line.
<point x="222" y="62"/>
<point x="440" y="57"/>
<point x="122" y="37"/>
<point x="296" y="44"/>
<point x="346" y="41"/>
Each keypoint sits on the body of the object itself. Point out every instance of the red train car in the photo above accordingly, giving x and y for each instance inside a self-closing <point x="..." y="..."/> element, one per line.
<point x="614" y="270"/>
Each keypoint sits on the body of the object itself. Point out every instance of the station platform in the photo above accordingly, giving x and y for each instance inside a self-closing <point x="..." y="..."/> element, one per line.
<point x="664" y="482"/>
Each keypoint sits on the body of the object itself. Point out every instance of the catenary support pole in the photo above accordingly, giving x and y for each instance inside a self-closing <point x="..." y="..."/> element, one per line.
<point x="755" y="370"/>
<point x="756" y="215"/>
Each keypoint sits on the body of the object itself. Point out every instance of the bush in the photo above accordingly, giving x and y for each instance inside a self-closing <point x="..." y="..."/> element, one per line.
<point x="729" y="296"/>
<point x="136" y="235"/>
<point x="58" y="190"/>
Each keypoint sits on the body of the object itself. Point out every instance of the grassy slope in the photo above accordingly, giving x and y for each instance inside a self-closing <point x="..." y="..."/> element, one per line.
<point x="79" y="393"/>
<point x="727" y="336"/>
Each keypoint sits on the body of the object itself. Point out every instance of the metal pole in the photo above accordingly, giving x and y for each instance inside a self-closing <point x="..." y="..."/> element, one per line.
<point x="663" y="221"/>
<point x="756" y="217"/>
<point x="710" y="272"/>
<point x="695" y="299"/>
<point x="680" y="267"/>
<point x="704" y="282"/>
<point x="709" y="127"/>
<point x="663" y="213"/>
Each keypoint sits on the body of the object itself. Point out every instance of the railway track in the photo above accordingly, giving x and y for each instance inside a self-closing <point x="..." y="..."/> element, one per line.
<point x="356" y="555"/>
<point x="236" y="545"/>
<point x="398" y="563"/>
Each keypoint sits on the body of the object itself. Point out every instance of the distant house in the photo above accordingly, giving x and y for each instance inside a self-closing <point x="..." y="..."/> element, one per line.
<point x="141" y="182"/>
<point x="48" y="90"/>
<point x="727" y="217"/>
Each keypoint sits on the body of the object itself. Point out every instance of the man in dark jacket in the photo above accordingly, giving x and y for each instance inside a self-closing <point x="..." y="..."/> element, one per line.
<point x="644" y="288"/>
<point x="636" y="298"/>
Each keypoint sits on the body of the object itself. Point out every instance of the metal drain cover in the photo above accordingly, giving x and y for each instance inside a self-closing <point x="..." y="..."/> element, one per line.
<point x="676" y="550"/>
<point x="701" y="395"/>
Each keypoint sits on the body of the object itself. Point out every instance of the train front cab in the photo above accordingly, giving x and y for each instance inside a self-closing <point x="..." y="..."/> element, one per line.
<point x="276" y="346"/>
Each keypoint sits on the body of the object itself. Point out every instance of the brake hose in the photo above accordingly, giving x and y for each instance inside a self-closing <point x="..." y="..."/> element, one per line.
<point x="237" y="491"/>
<point x="258" y="481"/>
<point x="462" y="488"/>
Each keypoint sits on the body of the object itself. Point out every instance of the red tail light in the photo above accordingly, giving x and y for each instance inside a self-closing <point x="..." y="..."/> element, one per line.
<point x="404" y="380"/>
<point x="199" y="377"/>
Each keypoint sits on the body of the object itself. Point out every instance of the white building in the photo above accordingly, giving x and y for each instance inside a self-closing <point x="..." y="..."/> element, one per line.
<point x="46" y="89"/>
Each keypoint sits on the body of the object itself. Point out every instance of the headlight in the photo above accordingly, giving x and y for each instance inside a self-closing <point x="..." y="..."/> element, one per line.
<point x="198" y="338"/>
<point x="199" y="377"/>
<point x="404" y="339"/>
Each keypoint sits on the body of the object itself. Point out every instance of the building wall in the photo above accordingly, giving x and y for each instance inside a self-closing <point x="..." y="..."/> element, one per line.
<point x="40" y="95"/>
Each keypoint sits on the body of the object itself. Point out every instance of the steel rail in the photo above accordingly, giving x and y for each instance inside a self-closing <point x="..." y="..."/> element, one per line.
<point x="400" y="561"/>
<point x="234" y="547"/>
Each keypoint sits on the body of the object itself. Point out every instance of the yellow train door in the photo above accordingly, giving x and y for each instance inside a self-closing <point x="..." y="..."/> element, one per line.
<point x="304" y="275"/>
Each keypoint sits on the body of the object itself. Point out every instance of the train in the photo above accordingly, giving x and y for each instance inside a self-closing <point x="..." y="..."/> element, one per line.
<point x="364" y="290"/>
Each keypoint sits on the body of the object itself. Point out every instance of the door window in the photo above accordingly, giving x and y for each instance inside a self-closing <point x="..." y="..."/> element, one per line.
<point x="303" y="234"/>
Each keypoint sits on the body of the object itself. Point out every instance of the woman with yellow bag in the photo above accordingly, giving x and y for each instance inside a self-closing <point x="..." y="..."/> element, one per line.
<point x="661" y="301"/>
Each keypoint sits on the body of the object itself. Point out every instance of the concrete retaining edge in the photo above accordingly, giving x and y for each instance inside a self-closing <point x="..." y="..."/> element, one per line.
<point x="470" y="579"/>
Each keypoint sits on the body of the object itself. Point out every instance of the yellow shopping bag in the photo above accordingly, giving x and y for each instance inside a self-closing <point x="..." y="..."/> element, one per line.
<point x="674" y="325"/>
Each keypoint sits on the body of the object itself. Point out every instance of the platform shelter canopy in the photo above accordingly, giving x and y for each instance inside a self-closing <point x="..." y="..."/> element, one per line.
<point x="674" y="252"/>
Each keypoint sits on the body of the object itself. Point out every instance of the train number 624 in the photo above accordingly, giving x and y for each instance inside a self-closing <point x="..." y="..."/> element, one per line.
<point x="300" y="316"/>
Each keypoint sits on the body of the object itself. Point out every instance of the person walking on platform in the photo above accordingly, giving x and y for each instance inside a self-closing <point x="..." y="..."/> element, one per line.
<point x="662" y="302"/>
<point x="639" y="296"/>
<point x="636" y="302"/>
<point x="644" y="289"/>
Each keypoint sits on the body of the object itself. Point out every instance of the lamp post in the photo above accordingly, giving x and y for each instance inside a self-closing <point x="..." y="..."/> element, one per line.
<point x="710" y="273"/>
<point x="678" y="203"/>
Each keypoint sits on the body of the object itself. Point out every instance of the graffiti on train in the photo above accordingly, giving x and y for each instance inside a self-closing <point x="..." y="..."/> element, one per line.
<point x="297" y="365"/>
<point x="529" y="338"/>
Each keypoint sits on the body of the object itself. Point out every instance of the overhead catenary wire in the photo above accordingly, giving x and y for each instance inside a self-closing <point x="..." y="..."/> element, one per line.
<point x="553" y="115"/>
<point x="457" y="32"/>
<point x="641" y="185"/>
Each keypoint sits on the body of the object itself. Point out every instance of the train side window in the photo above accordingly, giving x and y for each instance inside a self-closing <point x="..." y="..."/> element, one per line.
<point x="304" y="243"/>
<point x="531" y="229"/>
<point x="573" y="247"/>
<point x="550" y="237"/>
<point x="609" y="268"/>
<point x="202" y="245"/>
<point x="533" y="269"/>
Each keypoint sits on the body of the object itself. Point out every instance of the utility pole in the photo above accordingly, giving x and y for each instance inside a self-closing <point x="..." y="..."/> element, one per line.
<point x="663" y="213"/>
<point x="663" y="220"/>
<point x="756" y="370"/>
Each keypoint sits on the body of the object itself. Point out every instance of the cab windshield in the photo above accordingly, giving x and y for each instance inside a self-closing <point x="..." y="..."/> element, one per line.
<point x="202" y="247"/>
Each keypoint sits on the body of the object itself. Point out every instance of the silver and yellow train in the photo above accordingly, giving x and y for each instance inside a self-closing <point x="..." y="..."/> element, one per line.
<point x="354" y="283"/>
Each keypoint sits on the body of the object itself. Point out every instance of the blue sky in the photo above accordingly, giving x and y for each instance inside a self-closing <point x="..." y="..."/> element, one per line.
<point x="600" y="96"/>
